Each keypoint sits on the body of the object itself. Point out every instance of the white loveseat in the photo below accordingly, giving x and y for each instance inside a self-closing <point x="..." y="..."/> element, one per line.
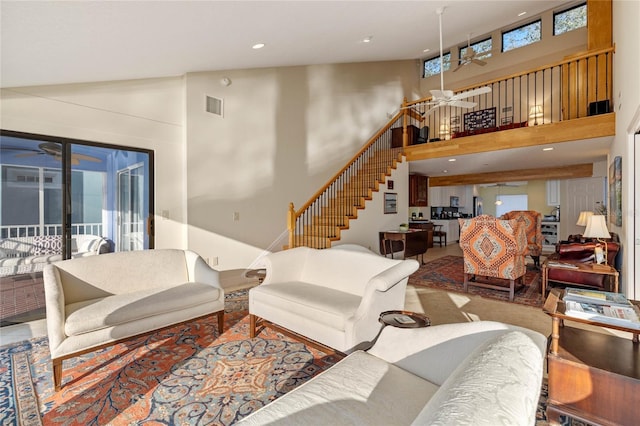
<point x="24" y="255"/>
<point x="477" y="373"/>
<point x="333" y="297"/>
<point x="93" y="302"/>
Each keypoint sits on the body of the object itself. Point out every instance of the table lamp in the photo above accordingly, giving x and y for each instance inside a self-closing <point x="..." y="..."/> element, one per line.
<point x="582" y="220"/>
<point x="597" y="228"/>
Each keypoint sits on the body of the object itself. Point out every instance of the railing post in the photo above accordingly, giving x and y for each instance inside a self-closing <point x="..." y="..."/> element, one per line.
<point x="291" y="225"/>
<point x="405" y="119"/>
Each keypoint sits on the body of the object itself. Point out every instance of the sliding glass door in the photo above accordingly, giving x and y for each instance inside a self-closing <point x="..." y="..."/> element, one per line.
<point x="63" y="199"/>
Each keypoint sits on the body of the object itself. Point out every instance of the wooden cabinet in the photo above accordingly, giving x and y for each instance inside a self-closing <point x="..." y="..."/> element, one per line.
<point x="418" y="191"/>
<point x="553" y="193"/>
<point x="396" y="136"/>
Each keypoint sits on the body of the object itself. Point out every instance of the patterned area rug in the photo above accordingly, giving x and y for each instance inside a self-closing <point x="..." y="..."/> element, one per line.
<point x="186" y="375"/>
<point x="447" y="273"/>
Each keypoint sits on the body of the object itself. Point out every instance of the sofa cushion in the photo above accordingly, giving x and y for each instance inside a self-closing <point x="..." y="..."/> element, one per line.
<point x="90" y="315"/>
<point x="319" y="304"/>
<point x="488" y="385"/>
<point x="46" y="244"/>
<point x="359" y="390"/>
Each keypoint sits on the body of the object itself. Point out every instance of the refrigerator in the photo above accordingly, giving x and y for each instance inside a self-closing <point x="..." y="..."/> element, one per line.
<point x="477" y="206"/>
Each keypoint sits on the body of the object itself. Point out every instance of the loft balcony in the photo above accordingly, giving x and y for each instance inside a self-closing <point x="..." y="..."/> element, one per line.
<point x="567" y="101"/>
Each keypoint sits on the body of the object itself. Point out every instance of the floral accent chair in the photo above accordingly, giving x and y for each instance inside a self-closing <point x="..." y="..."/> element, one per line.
<point x="493" y="248"/>
<point x="532" y="221"/>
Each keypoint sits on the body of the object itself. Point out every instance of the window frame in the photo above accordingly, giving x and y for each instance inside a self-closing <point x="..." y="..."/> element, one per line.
<point x="504" y="32"/>
<point x="565" y="11"/>
<point x="444" y="64"/>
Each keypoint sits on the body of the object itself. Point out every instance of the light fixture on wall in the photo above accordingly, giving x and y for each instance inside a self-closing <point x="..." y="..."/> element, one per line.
<point x="444" y="131"/>
<point x="597" y="228"/>
<point x="536" y="113"/>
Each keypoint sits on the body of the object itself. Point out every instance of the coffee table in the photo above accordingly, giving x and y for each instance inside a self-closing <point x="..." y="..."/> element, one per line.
<point x="396" y="319"/>
<point x="593" y="376"/>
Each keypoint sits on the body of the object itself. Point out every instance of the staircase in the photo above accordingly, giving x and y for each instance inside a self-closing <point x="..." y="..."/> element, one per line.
<point x="328" y="212"/>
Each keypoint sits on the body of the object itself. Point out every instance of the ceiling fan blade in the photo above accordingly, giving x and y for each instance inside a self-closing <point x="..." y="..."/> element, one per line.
<point x="462" y="104"/>
<point x="28" y="154"/>
<point x="86" y="157"/>
<point x="479" y="62"/>
<point x="433" y="108"/>
<point x="462" y="64"/>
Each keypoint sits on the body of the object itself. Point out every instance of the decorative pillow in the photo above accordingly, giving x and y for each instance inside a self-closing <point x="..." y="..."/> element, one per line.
<point x="46" y="244"/>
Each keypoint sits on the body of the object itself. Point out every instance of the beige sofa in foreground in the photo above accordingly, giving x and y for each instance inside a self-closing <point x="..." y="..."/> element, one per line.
<point x="96" y="301"/>
<point x="476" y="373"/>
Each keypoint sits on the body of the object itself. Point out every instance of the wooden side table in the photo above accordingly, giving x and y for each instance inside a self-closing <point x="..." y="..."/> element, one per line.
<point x="594" y="377"/>
<point x="588" y="268"/>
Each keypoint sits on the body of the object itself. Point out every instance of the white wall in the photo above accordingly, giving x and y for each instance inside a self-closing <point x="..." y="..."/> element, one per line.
<point x="137" y="113"/>
<point x="626" y="68"/>
<point x="285" y="132"/>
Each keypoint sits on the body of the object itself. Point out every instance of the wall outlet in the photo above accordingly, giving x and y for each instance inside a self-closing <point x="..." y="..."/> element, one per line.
<point x="236" y="216"/>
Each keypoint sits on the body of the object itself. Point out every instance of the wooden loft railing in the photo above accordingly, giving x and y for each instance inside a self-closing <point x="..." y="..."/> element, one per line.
<point x="562" y="91"/>
<point x="319" y="220"/>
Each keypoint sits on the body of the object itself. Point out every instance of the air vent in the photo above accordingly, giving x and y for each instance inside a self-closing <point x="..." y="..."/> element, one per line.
<point x="507" y="109"/>
<point x="214" y="105"/>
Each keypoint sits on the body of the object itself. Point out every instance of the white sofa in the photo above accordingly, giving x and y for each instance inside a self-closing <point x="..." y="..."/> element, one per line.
<point x="24" y="255"/>
<point x="333" y="297"/>
<point x="476" y="373"/>
<point x="93" y="302"/>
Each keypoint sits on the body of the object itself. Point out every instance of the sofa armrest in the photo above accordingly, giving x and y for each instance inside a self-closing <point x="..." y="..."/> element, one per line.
<point x="55" y="306"/>
<point x="283" y="266"/>
<point x="390" y="277"/>
<point x="199" y="271"/>
<point x="433" y="353"/>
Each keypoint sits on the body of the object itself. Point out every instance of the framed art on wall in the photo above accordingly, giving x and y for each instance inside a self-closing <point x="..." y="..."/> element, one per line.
<point x="390" y="202"/>
<point x="615" y="192"/>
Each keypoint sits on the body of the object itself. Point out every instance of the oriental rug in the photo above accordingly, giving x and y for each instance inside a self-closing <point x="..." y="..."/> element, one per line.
<point x="447" y="273"/>
<point x="186" y="375"/>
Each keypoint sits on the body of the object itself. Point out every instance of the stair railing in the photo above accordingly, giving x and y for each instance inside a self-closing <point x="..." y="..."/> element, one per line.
<point x="316" y="222"/>
<point x="575" y="87"/>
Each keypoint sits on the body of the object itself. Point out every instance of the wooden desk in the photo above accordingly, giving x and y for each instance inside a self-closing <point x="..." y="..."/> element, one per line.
<point x="588" y="268"/>
<point x="593" y="377"/>
<point x="413" y="242"/>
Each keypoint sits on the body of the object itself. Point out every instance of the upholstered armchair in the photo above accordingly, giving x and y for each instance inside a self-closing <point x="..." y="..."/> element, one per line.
<point x="532" y="222"/>
<point x="493" y="248"/>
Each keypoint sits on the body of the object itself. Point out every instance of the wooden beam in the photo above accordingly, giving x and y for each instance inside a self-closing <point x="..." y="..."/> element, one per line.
<point x="599" y="24"/>
<point x="564" y="131"/>
<point x="564" y="172"/>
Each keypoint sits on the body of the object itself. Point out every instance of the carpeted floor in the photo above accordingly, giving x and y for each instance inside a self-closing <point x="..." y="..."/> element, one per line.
<point x="447" y="273"/>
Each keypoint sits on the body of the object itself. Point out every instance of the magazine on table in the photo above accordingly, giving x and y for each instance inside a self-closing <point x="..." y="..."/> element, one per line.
<point x="624" y="316"/>
<point x="594" y="296"/>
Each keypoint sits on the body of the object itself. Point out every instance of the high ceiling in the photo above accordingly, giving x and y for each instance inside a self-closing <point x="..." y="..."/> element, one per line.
<point x="56" y="42"/>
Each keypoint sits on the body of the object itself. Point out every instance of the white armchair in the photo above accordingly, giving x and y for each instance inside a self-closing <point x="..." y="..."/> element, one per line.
<point x="333" y="297"/>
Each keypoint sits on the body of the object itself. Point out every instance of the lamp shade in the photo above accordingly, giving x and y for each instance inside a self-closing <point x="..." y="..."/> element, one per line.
<point x="584" y="218"/>
<point x="596" y="227"/>
<point x="536" y="112"/>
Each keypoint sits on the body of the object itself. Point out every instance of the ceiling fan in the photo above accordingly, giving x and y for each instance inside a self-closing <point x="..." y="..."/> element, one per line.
<point x="470" y="56"/>
<point x="446" y="97"/>
<point x="54" y="150"/>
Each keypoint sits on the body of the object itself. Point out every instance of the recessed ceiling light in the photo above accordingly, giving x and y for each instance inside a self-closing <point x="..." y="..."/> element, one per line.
<point x="522" y="13"/>
<point x="426" y="50"/>
<point x="367" y="39"/>
<point x="258" y="46"/>
<point x="452" y="159"/>
<point x="548" y="149"/>
<point x="445" y="171"/>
